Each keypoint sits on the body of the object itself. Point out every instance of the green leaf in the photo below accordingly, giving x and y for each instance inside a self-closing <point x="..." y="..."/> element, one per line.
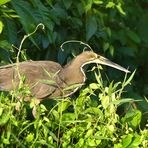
<point x="68" y="117"/>
<point x="129" y="79"/>
<point x="122" y="101"/>
<point x="127" y="140"/>
<point x="30" y="137"/>
<point x="89" y="133"/>
<point x="26" y="13"/>
<point x="95" y="111"/>
<point x="97" y="2"/>
<point x="133" y="36"/>
<point x="111" y="50"/>
<point x="136" y="141"/>
<point x="105" y="46"/>
<point x="120" y="9"/>
<point x="1" y="111"/>
<point x="88" y="6"/>
<point x="94" y="86"/>
<point x="4" y="118"/>
<point x="1" y="27"/>
<point x="11" y="31"/>
<point x="63" y="106"/>
<point x="4" y="1"/>
<point x="136" y="119"/>
<point x="91" y="27"/>
<point x="67" y="3"/>
<point x="133" y="118"/>
<point x="110" y="5"/>
<point x="4" y="44"/>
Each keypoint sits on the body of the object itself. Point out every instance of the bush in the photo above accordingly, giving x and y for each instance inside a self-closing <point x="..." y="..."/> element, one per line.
<point x="90" y="120"/>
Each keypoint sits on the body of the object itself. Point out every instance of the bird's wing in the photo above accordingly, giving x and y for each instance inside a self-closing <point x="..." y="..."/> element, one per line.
<point x="39" y="76"/>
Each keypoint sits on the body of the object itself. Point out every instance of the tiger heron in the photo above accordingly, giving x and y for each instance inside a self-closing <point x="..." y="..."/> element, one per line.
<point x="48" y="79"/>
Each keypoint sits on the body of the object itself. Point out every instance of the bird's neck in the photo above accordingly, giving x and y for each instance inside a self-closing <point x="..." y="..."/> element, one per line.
<point x="75" y="70"/>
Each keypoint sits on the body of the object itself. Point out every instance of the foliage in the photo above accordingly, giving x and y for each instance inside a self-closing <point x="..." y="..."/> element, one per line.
<point x="117" y="29"/>
<point x="110" y="27"/>
<point x="90" y="120"/>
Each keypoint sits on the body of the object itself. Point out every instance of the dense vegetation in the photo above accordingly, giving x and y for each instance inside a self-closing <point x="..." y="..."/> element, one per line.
<point x="102" y="114"/>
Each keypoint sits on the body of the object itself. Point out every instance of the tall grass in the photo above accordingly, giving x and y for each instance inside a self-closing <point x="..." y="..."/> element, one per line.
<point x="90" y="120"/>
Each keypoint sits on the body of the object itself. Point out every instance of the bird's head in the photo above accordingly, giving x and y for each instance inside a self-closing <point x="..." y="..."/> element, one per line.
<point x="88" y="57"/>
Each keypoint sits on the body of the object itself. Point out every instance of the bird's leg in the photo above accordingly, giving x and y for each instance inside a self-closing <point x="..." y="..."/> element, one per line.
<point x="17" y="106"/>
<point x="36" y="102"/>
<point x="20" y="99"/>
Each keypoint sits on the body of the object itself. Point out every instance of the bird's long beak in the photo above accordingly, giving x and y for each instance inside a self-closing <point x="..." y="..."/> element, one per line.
<point x="105" y="61"/>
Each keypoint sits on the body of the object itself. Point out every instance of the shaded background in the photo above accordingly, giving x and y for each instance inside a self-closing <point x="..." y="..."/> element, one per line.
<point x="117" y="30"/>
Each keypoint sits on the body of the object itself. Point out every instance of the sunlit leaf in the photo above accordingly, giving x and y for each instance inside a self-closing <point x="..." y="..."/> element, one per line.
<point x="98" y="2"/>
<point x="1" y="27"/>
<point x="63" y="106"/>
<point x="4" y="1"/>
<point x="127" y="140"/>
<point x="119" y="7"/>
<point x="94" y="86"/>
<point x="110" y="5"/>
<point x="129" y="79"/>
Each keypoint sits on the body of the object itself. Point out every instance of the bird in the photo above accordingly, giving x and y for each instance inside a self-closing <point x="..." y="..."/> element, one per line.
<point x="48" y="79"/>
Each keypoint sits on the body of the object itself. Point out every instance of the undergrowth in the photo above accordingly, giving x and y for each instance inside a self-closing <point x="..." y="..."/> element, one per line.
<point x="90" y="120"/>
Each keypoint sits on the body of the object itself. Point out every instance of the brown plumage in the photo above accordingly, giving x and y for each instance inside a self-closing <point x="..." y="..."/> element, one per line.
<point x="48" y="79"/>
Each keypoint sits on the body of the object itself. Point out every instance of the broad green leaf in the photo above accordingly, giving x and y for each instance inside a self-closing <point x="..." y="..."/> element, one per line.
<point x="89" y="133"/>
<point x="6" y="141"/>
<point x="4" y="118"/>
<point x="105" y="46"/>
<point x="27" y="16"/>
<point x="94" y="86"/>
<point x="91" y="142"/>
<point x="119" y="145"/>
<point x="127" y="140"/>
<point x="133" y="118"/>
<point x="11" y="31"/>
<point x="136" y="119"/>
<point x="110" y="5"/>
<point x="91" y="27"/>
<point x="68" y="117"/>
<point x="4" y="1"/>
<point x="67" y="3"/>
<point x="88" y="6"/>
<point x="26" y="13"/>
<point x="136" y="141"/>
<point x="105" y="101"/>
<point x="95" y="111"/>
<point x="4" y="44"/>
<point x="62" y="106"/>
<point x="1" y="27"/>
<point x="133" y="36"/>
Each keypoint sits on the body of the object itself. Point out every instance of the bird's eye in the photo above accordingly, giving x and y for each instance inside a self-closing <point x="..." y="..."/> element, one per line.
<point x="98" y="56"/>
